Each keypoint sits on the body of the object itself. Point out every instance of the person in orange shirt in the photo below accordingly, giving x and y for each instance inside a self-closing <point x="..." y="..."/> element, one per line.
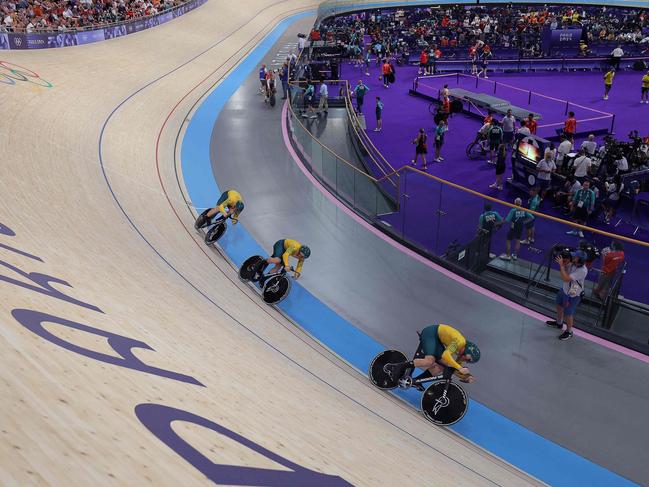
<point x="570" y="127"/>
<point x="423" y="62"/>
<point x="386" y="69"/>
<point x="531" y="124"/>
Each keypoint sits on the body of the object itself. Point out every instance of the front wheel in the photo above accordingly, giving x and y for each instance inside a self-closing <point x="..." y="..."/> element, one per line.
<point x="215" y="233"/>
<point x="444" y="406"/>
<point x="276" y="289"/>
<point x="379" y="377"/>
<point x="251" y="268"/>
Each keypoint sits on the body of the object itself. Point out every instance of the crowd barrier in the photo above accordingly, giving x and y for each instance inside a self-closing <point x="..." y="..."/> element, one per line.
<point x="43" y="40"/>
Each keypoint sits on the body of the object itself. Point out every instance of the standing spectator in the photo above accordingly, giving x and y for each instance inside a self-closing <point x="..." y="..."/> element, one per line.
<point x="613" y="197"/>
<point x="545" y="168"/>
<point x="440" y="130"/>
<point x="386" y="70"/>
<point x="359" y="91"/>
<point x="379" y="114"/>
<point x="644" y="94"/>
<point x="616" y="57"/>
<point x="501" y="157"/>
<point x="421" y="148"/>
<point x="488" y="222"/>
<point x="533" y="204"/>
<point x="582" y="166"/>
<point x="323" y="106"/>
<point x="283" y="76"/>
<point x="573" y="274"/>
<point x="589" y="145"/>
<point x="570" y="127"/>
<point x="613" y="259"/>
<point x="582" y="205"/>
<point x="516" y="219"/>
<point x="608" y="81"/>
<point x="531" y="124"/>
<point x="565" y="148"/>
<point x="509" y="126"/>
<point x="495" y="139"/>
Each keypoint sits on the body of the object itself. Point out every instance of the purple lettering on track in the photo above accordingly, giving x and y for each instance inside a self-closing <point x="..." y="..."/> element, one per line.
<point x="21" y="252"/>
<point x="158" y="418"/>
<point x="33" y="321"/>
<point x="5" y="230"/>
<point x="43" y="286"/>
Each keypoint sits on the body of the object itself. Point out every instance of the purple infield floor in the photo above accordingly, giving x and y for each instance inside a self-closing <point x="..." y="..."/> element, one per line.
<point x="434" y="215"/>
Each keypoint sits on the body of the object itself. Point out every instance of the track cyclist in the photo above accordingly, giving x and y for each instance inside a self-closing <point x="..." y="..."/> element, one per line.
<point x="442" y="346"/>
<point x="285" y="248"/>
<point x="230" y="204"/>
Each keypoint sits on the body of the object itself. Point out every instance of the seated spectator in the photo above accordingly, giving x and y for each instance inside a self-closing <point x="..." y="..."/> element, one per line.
<point x="589" y="145"/>
<point x="613" y="259"/>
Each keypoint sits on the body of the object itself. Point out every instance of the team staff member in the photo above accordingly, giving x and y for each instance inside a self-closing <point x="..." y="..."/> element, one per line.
<point x="644" y="97"/>
<point x="570" y="127"/>
<point x="229" y="203"/>
<point x="443" y="346"/>
<point x="531" y="124"/>
<point x="608" y="81"/>
<point x="285" y="248"/>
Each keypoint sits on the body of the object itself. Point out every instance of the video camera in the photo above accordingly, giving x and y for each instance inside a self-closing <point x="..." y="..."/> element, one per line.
<point x="592" y="252"/>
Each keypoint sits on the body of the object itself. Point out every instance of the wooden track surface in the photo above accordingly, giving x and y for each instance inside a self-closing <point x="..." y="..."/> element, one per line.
<point x="69" y="419"/>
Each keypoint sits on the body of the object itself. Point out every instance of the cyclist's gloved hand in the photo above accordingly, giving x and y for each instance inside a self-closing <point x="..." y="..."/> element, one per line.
<point x="235" y="221"/>
<point x="297" y="274"/>
<point x="466" y="378"/>
<point x="464" y="371"/>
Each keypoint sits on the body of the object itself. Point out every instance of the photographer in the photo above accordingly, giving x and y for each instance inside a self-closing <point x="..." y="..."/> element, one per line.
<point x="573" y="274"/>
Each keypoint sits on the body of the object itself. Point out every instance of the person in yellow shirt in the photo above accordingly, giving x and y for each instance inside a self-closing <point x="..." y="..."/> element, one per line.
<point x="608" y="81"/>
<point x="285" y="248"/>
<point x="442" y="346"/>
<point x="644" y="97"/>
<point x="229" y="204"/>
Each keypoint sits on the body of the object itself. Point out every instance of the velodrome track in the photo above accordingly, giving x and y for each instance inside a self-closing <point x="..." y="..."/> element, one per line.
<point x="91" y="250"/>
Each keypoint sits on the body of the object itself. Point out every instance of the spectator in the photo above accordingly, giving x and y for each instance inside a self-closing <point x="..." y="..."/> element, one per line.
<point x="573" y="274"/>
<point x="440" y="130"/>
<point x="613" y="197"/>
<point x="379" y="114"/>
<point x="589" y="145"/>
<point x="582" y="165"/>
<point x="309" y="97"/>
<point x="516" y="219"/>
<point x="509" y="126"/>
<point x="533" y="204"/>
<point x="570" y="127"/>
<point x="545" y="168"/>
<point x="616" y="57"/>
<point x="501" y="157"/>
<point x="488" y="222"/>
<point x="421" y="148"/>
<point x="531" y="124"/>
<point x="582" y="205"/>
<point x="613" y="259"/>
<point x="323" y="106"/>
<point x="359" y="91"/>
<point x="608" y="81"/>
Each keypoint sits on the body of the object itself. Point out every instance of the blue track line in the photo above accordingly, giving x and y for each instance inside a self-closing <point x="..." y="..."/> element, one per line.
<point x="508" y="440"/>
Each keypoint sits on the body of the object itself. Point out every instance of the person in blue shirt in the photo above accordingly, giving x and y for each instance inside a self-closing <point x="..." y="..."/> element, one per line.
<point x="359" y="91"/>
<point x="533" y="204"/>
<point x="309" y="97"/>
<point x="440" y="130"/>
<point x="489" y="222"/>
<point x="582" y="205"/>
<point x="262" y="80"/>
<point x="283" y="76"/>
<point x="379" y="114"/>
<point x="516" y="220"/>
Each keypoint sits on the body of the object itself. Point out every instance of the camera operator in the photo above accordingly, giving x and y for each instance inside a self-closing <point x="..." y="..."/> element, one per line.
<point x="573" y="274"/>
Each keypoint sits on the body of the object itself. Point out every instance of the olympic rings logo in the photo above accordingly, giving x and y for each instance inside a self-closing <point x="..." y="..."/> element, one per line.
<point x="10" y="73"/>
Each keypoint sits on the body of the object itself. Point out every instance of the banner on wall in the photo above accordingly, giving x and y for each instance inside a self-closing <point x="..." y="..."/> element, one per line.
<point x="553" y="39"/>
<point x="65" y="39"/>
